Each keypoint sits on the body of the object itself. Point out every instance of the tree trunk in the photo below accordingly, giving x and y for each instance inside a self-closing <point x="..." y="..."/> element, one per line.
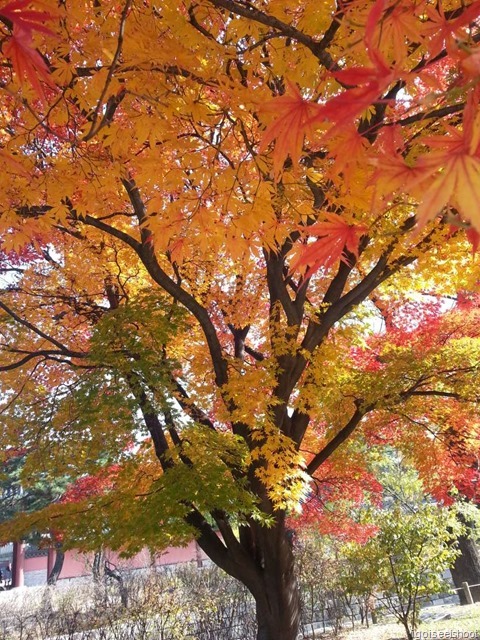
<point x="276" y="591"/>
<point x="467" y="568"/>
<point x="98" y="569"/>
<point x="278" y="612"/>
<point x="111" y="571"/>
<point x="408" y="630"/>
<point x="261" y="558"/>
<point x="57" y="566"/>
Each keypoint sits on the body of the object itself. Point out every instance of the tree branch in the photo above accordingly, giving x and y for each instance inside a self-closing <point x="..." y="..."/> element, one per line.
<point x="189" y="407"/>
<point x="339" y="438"/>
<point x="248" y="11"/>
<point x="113" y="101"/>
<point x="146" y="253"/>
<point x="63" y="349"/>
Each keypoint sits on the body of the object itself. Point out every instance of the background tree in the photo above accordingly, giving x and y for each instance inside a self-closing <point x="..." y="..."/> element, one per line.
<point x="416" y="541"/>
<point x="14" y="498"/>
<point x="453" y="476"/>
<point x="406" y="560"/>
<point x="198" y="204"/>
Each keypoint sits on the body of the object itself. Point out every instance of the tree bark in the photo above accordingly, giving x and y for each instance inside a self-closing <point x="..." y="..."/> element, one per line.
<point x="278" y="608"/>
<point x="57" y="566"/>
<point x="276" y="590"/>
<point x="262" y="559"/>
<point x="467" y="568"/>
<point x="98" y="570"/>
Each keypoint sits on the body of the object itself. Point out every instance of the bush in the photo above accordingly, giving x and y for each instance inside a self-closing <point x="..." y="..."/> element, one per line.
<point x="199" y="604"/>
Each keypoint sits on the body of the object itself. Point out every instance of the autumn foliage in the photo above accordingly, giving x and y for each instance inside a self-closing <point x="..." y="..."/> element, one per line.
<point x="233" y="238"/>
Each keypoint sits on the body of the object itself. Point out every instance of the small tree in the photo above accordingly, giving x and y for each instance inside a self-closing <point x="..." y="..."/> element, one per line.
<point x="406" y="560"/>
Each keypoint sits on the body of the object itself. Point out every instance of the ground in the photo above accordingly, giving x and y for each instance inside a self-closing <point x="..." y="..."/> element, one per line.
<point x="439" y="622"/>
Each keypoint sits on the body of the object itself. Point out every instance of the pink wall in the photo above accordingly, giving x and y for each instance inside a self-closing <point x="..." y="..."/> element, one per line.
<point x="77" y="564"/>
<point x="35" y="564"/>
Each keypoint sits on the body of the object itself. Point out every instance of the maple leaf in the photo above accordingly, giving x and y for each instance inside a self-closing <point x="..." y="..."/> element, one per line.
<point x="474" y="238"/>
<point x="28" y="19"/>
<point x="392" y="172"/>
<point x="334" y="237"/>
<point x="458" y="182"/>
<point x="14" y="164"/>
<point x="391" y="25"/>
<point x="91" y="485"/>
<point x="295" y="115"/>
<point x="454" y="165"/>
<point x="367" y="86"/>
<point x="447" y="32"/>
<point x="20" y="48"/>
<point x="345" y="164"/>
<point x="293" y="121"/>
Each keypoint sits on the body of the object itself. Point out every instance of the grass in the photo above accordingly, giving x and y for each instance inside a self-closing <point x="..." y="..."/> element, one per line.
<point x="461" y="624"/>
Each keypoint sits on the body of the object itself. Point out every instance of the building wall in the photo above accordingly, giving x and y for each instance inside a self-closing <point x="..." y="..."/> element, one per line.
<point x="78" y="564"/>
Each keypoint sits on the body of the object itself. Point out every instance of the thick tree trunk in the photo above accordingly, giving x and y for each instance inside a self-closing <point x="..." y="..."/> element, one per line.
<point x="467" y="568"/>
<point x="276" y="591"/>
<point x="278" y="613"/>
<point x="261" y="558"/>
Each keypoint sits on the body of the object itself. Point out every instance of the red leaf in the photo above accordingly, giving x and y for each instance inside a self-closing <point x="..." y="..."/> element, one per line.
<point x="474" y="238"/>
<point x="28" y="20"/>
<point x="91" y="486"/>
<point x="447" y="32"/>
<point x="341" y="110"/>
<point x="374" y="18"/>
<point x="334" y="236"/>
<point x="20" y="48"/>
<point x="294" y="115"/>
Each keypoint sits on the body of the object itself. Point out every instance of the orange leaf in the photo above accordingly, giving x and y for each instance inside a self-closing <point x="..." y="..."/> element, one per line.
<point x="14" y="164"/>
<point x="390" y="25"/>
<point x="334" y="237"/>
<point x="453" y="165"/>
<point x="446" y="32"/>
<point x="458" y="183"/>
<point x="471" y="122"/>
<point x="392" y="171"/>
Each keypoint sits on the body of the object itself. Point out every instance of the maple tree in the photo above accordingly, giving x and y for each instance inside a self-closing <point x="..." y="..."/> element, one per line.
<point x="200" y="204"/>
<point x="450" y="471"/>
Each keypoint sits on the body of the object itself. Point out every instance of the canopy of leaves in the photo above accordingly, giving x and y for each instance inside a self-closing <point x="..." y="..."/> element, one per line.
<point x="164" y="312"/>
